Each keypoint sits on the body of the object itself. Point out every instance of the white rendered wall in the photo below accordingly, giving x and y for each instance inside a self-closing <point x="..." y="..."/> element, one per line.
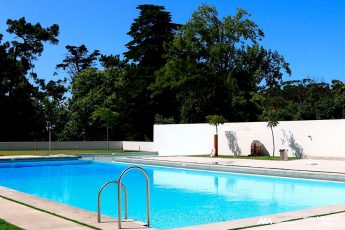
<point x="137" y="145"/>
<point x="320" y="138"/>
<point x="183" y="139"/>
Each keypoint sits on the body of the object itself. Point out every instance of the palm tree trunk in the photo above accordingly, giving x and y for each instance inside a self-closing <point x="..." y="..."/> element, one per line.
<point x="273" y="141"/>
<point x="216" y="142"/>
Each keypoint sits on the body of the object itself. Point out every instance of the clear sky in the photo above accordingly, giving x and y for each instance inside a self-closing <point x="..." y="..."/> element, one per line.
<point x="308" y="33"/>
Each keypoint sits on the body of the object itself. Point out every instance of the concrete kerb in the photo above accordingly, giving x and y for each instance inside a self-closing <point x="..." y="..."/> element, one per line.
<point x="31" y="219"/>
<point x="66" y="212"/>
<point x="114" y="156"/>
<point x="57" y="157"/>
<point x="271" y="219"/>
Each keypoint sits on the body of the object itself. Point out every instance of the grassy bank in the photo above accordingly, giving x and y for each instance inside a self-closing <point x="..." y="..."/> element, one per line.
<point x="7" y="226"/>
<point x="54" y="152"/>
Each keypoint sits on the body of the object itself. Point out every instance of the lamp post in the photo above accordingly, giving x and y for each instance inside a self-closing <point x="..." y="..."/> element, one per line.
<point x="49" y="129"/>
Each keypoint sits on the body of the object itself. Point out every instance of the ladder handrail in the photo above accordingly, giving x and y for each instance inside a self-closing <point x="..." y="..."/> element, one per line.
<point x="99" y="199"/>
<point x="147" y="194"/>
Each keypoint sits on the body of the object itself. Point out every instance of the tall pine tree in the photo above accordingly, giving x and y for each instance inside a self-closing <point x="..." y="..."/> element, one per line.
<point x="151" y="33"/>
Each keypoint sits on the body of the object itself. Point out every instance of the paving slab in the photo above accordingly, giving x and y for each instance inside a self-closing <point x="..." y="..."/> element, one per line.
<point x="331" y="222"/>
<point x="280" y="219"/>
<point x="28" y="218"/>
<point x="225" y="166"/>
<point x="38" y="157"/>
<point x="77" y="214"/>
<point x="333" y="166"/>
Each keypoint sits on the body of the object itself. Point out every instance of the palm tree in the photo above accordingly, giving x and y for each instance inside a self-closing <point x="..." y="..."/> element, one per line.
<point x="269" y="114"/>
<point x="272" y="122"/>
<point x="215" y="120"/>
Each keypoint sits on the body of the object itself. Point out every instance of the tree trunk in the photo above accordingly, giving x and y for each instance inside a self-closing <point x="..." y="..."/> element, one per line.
<point x="216" y="145"/>
<point x="273" y="141"/>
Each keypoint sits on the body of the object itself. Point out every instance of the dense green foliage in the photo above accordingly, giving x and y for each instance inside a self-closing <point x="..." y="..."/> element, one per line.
<point x="77" y="60"/>
<point x="215" y="120"/>
<point x="22" y="114"/>
<point x="213" y="66"/>
<point x="170" y="73"/>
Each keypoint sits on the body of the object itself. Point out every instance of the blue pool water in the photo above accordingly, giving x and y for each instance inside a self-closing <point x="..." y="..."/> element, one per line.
<point x="178" y="197"/>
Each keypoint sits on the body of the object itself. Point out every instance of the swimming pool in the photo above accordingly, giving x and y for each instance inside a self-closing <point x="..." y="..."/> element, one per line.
<point x="179" y="197"/>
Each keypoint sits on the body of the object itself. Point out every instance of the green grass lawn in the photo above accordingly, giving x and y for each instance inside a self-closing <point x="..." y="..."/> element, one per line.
<point x="249" y="157"/>
<point x="7" y="226"/>
<point x="54" y="152"/>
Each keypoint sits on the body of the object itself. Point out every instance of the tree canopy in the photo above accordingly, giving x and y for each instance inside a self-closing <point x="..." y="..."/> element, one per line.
<point x="22" y="116"/>
<point x="78" y="59"/>
<point x="215" y="63"/>
<point x="215" y="120"/>
<point x="170" y="73"/>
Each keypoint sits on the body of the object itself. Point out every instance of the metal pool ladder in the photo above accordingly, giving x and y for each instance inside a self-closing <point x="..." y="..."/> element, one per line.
<point x="100" y="195"/>
<point x="120" y="187"/>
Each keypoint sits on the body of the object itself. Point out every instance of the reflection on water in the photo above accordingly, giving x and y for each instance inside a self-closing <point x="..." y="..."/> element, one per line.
<point x="249" y="187"/>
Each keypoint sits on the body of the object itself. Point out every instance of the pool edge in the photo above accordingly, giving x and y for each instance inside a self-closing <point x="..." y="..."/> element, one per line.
<point x="68" y="212"/>
<point x="302" y="174"/>
<point x="275" y="219"/>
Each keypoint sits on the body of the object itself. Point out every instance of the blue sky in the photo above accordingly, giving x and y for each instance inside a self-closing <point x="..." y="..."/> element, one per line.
<point x="308" y="33"/>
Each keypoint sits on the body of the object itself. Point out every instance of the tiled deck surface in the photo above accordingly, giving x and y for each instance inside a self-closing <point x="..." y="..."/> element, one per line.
<point x="36" y="156"/>
<point x="29" y="218"/>
<point x="334" y="166"/>
<point x="331" y="222"/>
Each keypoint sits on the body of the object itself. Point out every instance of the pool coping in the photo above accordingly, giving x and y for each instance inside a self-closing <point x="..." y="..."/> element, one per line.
<point x="279" y="172"/>
<point x="275" y="219"/>
<point x="26" y="158"/>
<point x="118" y="154"/>
<point x="76" y="156"/>
<point x="67" y="212"/>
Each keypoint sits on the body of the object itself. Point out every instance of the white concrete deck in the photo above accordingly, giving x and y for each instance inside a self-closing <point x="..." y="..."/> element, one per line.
<point x="29" y="218"/>
<point x="331" y="222"/>
<point x="327" y="166"/>
<point x="36" y="156"/>
<point x="320" y="169"/>
<point x="283" y="219"/>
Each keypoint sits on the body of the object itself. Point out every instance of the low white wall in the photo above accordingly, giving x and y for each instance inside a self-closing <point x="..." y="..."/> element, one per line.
<point x="138" y="145"/>
<point x="183" y="139"/>
<point x="125" y="145"/>
<point x="60" y="145"/>
<point x="320" y="138"/>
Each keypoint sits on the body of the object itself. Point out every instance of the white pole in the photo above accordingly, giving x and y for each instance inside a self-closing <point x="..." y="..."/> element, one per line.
<point x="50" y="137"/>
